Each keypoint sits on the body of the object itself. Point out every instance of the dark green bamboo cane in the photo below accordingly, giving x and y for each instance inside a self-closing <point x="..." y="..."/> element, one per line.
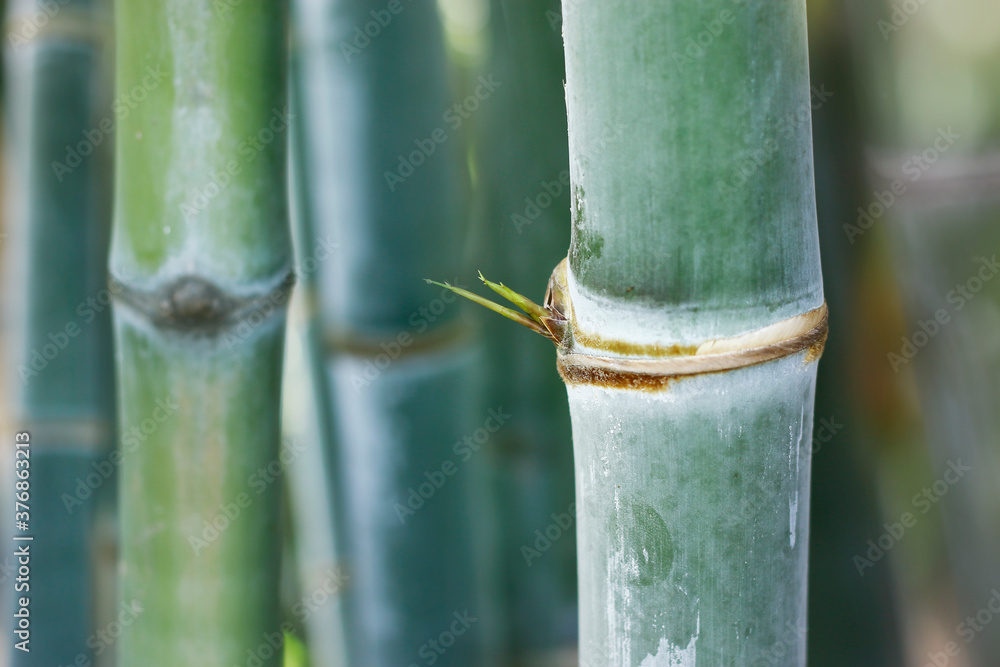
<point x="201" y="244"/>
<point x="524" y="182"/>
<point x="383" y="167"/>
<point x="57" y="198"/>
<point x="852" y="619"/>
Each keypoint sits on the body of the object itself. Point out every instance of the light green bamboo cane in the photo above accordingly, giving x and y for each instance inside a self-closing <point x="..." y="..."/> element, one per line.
<point x="689" y="319"/>
<point x="201" y="243"/>
<point x="61" y="370"/>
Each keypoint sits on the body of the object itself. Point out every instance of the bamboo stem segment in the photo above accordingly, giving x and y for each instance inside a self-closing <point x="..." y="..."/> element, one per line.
<point x="400" y="370"/>
<point x="694" y="307"/>
<point x="60" y="346"/>
<point x="202" y="245"/>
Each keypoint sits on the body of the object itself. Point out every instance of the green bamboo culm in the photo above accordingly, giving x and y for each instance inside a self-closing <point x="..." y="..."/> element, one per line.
<point x="693" y="221"/>
<point x="202" y="247"/>
<point x="523" y="167"/>
<point x="306" y="418"/>
<point x="57" y="197"/>
<point x="689" y="317"/>
<point x="384" y="186"/>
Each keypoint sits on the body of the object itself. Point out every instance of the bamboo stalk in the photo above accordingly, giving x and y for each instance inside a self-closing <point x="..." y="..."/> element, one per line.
<point x="61" y="357"/>
<point x="852" y="619"/>
<point x="523" y="177"/>
<point x="400" y="363"/>
<point x="933" y="116"/>
<point x="318" y="541"/>
<point x="201" y="244"/>
<point x="693" y="498"/>
<point x="689" y="316"/>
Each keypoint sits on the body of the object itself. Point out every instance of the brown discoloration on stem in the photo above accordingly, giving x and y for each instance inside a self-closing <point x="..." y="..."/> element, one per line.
<point x="625" y="349"/>
<point x="192" y="300"/>
<point x="578" y="374"/>
<point x="656" y="374"/>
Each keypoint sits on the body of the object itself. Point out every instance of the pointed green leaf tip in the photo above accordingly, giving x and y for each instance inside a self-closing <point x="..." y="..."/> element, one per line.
<point x="533" y="310"/>
<point x="535" y="313"/>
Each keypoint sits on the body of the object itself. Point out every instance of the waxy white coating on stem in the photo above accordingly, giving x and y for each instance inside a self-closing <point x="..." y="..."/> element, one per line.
<point x="693" y="515"/>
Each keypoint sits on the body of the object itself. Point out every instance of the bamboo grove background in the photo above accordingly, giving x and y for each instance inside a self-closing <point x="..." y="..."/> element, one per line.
<point x="433" y="146"/>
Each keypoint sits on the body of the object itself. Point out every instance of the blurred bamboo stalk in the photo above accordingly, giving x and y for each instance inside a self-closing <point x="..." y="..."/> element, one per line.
<point x="852" y="618"/>
<point x="382" y="163"/>
<point x="57" y="191"/>
<point x="932" y="93"/>
<point x="523" y="168"/>
<point x="307" y="419"/>
<point x="201" y="246"/>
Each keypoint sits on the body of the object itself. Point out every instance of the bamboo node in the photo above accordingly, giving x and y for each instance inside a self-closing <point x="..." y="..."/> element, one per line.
<point x="196" y="304"/>
<point x="193" y="300"/>
<point x="803" y="333"/>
